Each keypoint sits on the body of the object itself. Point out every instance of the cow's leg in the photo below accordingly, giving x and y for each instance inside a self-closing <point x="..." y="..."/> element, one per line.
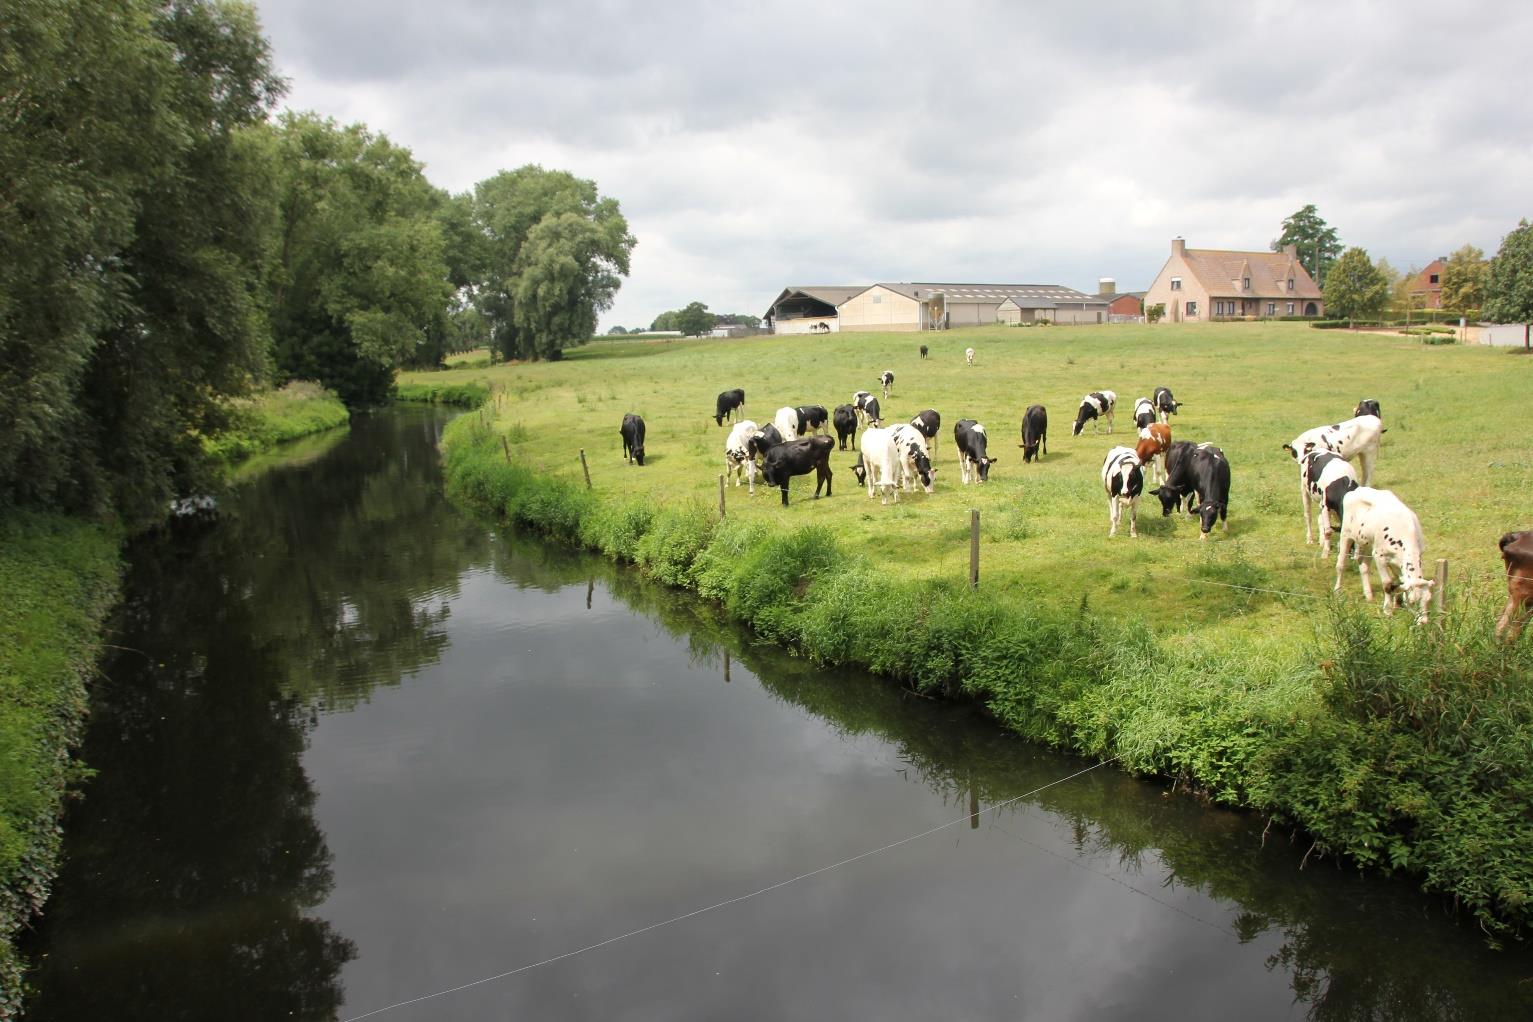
<point x="1366" y="457"/>
<point x="1109" y="421"/>
<point x="1362" y="569"/>
<point x="1304" y="495"/>
<point x="821" y="478"/>
<point x="785" y="493"/>
<point x="1342" y="547"/>
<point x="1513" y="618"/>
<point x="1112" y="516"/>
<point x="1133" y="517"/>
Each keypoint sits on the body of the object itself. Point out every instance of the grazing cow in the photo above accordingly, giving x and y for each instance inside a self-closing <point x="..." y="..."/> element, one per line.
<point x="1035" y="433"/>
<point x="1179" y="479"/>
<point x="927" y="423"/>
<point x="1354" y="439"/>
<point x="763" y="440"/>
<point x="887" y="379"/>
<point x="1123" y="480"/>
<point x="1211" y="488"/>
<point x="1144" y="414"/>
<point x="795" y="458"/>
<point x="1378" y="521"/>
<point x="1165" y="405"/>
<point x="726" y="403"/>
<point x="1154" y="440"/>
<point x="632" y="432"/>
<point x="1517" y="555"/>
<point x="971" y="439"/>
<point x="968" y="355"/>
<point x="860" y="402"/>
<point x="870" y="411"/>
<point x="786" y="421"/>
<point x="845" y="420"/>
<point x="914" y="462"/>
<point x="879" y="463"/>
<point x="923" y="351"/>
<point x="1328" y="478"/>
<point x="812" y="419"/>
<point x="1098" y="402"/>
<point x="738" y="459"/>
<point x="1368" y="406"/>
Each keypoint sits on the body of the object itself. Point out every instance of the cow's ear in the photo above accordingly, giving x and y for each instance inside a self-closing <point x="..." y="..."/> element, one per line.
<point x="1290" y="450"/>
<point x="992" y="460"/>
<point x="1155" y="492"/>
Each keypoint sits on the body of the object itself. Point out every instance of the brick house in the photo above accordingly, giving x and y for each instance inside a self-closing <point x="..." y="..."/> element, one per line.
<point x="1427" y="286"/>
<point x="1199" y="285"/>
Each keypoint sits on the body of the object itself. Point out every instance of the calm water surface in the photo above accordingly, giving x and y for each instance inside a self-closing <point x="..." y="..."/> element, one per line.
<point x="356" y="749"/>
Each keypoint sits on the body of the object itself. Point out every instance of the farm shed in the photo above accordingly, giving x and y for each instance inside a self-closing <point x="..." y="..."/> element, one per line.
<point x="933" y="306"/>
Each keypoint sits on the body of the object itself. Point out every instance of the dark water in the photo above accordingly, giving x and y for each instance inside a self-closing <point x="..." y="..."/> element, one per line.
<point x="357" y="749"/>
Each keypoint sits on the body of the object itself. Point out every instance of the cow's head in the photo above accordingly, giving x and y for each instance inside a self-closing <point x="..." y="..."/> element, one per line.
<point x="1208" y="514"/>
<point x="860" y="470"/>
<point x="1301" y="452"/>
<point x="638" y="454"/>
<point x="1088" y="411"/>
<point x="1417" y="593"/>
<point x="923" y="464"/>
<point x="1170" y="500"/>
<point x="983" y="465"/>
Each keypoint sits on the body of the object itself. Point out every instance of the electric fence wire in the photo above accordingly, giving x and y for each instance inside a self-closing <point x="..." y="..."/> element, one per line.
<point x="731" y="901"/>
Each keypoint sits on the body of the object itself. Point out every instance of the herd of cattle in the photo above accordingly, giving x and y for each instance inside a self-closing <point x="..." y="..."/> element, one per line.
<point x="895" y="457"/>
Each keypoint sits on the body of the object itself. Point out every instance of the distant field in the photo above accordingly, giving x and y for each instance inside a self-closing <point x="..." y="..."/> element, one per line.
<point x="1455" y="450"/>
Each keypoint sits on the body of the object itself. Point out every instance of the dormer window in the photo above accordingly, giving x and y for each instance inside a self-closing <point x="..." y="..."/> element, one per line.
<point x="1176" y="283"/>
<point x="1290" y="283"/>
<point x="1245" y="283"/>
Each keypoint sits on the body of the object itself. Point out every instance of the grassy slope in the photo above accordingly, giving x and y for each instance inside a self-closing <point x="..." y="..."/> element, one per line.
<point x="276" y="416"/>
<point x="58" y="578"/>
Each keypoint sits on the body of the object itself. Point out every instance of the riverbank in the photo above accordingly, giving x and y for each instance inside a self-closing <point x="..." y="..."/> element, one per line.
<point x="274" y="417"/>
<point x="1401" y="749"/>
<point x="58" y="579"/>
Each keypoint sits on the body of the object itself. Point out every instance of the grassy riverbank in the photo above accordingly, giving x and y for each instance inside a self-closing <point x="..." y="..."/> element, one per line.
<point x="273" y="417"/>
<point x="1400" y="748"/>
<point x="58" y="579"/>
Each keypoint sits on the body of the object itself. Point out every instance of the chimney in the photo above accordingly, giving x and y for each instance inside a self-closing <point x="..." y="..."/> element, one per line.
<point x="1106" y="286"/>
<point x="1178" y="246"/>
<point x="1291" y="251"/>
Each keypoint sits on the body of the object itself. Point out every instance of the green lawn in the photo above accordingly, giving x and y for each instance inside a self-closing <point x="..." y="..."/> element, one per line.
<point x="1454" y="450"/>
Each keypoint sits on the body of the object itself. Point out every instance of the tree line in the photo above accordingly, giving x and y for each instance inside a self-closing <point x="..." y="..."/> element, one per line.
<point x="692" y="321"/>
<point x="171" y="244"/>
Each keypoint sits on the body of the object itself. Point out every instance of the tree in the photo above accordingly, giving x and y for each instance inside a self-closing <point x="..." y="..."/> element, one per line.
<point x="1153" y="313"/>
<point x="1463" y="281"/>
<point x="1355" y="288"/>
<point x="666" y="321"/>
<point x="695" y="320"/>
<point x="554" y="253"/>
<point x="1402" y="297"/>
<point x="1509" y="283"/>
<point x="1316" y="241"/>
<point x="617" y="331"/>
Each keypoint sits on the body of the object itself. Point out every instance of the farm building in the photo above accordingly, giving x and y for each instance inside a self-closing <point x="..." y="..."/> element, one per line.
<point x="1426" y="287"/>
<point x="902" y="306"/>
<point x="1199" y="285"/>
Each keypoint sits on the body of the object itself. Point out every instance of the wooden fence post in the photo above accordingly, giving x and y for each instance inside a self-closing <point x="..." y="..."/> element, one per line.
<point x="974" y="548"/>
<point x="507" y="448"/>
<point x="721" y="496"/>
<point x="1438" y="591"/>
<point x="585" y="468"/>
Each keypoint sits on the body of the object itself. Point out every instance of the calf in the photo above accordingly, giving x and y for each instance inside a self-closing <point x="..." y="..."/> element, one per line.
<point x="1211" y="487"/>
<point x="812" y="419"/>
<point x="1035" y="433"/>
<point x="1165" y="405"/>
<point x="879" y="463"/>
<point x="927" y="423"/>
<point x="870" y="411"/>
<point x="786" y="421"/>
<point x="726" y="403"/>
<point x="970" y="439"/>
<point x="887" y="379"/>
<point x="795" y="458"/>
<point x="1123" y="480"/>
<point x="860" y="402"/>
<point x="1354" y="439"/>
<point x="845" y="420"/>
<point x="1328" y="478"/>
<point x="1517" y="555"/>
<point x="1154" y="440"/>
<point x="914" y="463"/>
<point x="1368" y="406"/>
<point x="1144" y="414"/>
<point x="738" y="458"/>
<point x="1097" y="403"/>
<point x="632" y="432"/>
<point x="1378" y="521"/>
<point x="968" y="355"/>
<point x="923" y="351"/>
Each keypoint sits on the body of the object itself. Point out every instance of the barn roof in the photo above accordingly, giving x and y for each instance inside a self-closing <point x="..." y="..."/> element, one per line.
<point x="1027" y="296"/>
<point x="1221" y="272"/>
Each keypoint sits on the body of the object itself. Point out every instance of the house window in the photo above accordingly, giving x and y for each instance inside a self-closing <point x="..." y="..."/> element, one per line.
<point x="878" y="299"/>
<point x="1290" y="283"/>
<point x="1290" y="308"/>
<point x="1245" y="283"/>
<point x="1272" y="308"/>
<point x="1434" y="278"/>
<point x="1192" y="308"/>
<point x="1176" y="283"/>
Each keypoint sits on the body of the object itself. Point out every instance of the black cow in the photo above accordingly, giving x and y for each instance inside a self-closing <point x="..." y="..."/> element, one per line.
<point x="1165" y="405"/>
<point x="927" y="424"/>
<point x="763" y="441"/>
<point x="1367" y="406"/>
<point x="1035" y="433"/>
<point x="1178" y="484"/>
<point x="1201" y="473"/>
<point x="726" y="404"/>
<point x="845" y="420"/>
<point x="811" y="417"/>
<point x="632" y="432"/>
<point x="796" y="458"/>
<point x="970" y="439"/>
<point x="870" y="410"/>
<point x="923" y="351"/>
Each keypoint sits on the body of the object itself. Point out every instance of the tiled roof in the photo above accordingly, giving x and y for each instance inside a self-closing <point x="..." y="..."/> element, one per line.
<point x="1221" y="273"/>
<point x="1027" y="296"/>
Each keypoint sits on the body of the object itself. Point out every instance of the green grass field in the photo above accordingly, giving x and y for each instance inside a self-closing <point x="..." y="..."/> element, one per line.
<point x="1454" y="451"/>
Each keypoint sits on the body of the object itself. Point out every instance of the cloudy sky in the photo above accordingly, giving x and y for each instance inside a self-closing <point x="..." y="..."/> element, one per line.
<point x="756" y="145"/>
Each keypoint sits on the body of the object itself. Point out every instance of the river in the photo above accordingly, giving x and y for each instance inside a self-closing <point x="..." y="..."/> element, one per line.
<point x="354" y="748"/>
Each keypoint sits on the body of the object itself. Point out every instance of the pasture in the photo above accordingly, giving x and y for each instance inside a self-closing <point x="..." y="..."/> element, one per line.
<point x="1455" y="451"/>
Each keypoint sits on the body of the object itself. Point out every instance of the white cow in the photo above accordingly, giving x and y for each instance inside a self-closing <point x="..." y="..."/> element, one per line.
<point x="1378" y="521"/>
<point x="737" y="455"/>
<point x="880" y="462"/>
<point x="1354" y="439"/>
<point x="914" y="461"/>
<point x="1326" y="478"/>
<point x="968" y="355"/>
<point x="1123" y="479"/>
<point x="786" y="421"/>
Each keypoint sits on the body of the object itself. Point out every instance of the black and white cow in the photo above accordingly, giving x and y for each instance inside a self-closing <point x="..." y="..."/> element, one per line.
<point x="738" y="460"/>
<point x="1035" y="433"/>
<point x="762" y="441"/>
<point x="887" y="379"/>
<point x="812" y="419"/>
<point x="726" y="403"/>
<point x="1165" y="405"/>
<point x="871" y="413"/>
<point x="1368" y="406"/>
<point x="970" y="438"/>
<point x="927" y="423"/>
<point x="860" y="402"/>
<point x="1327" y="478"/>
<point x="844" y="418"/>
<point x="1097" y="403"/>
<point x="1357" y="438"/>
<point x="786" y="421"/>
<point x="632" y="432"/>
<point x="1123" y="479"/>
<point x="914" y="461"/>
<point x="1144" y="414"/>
<point x="799" y="457"/>
<point x="1378" y="521"/>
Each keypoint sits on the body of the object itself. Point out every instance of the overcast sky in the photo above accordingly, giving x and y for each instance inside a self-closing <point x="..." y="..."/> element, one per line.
<point x="756" y="145"/>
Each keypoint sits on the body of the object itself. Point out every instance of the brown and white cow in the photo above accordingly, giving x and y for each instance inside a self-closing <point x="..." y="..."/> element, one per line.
<point x="1154" y="441"/>
<point x="1517" y="554"/>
